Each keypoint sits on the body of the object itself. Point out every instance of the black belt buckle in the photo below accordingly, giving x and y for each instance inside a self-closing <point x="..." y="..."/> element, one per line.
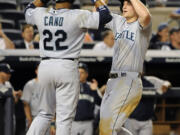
<point x="113" y="75"/>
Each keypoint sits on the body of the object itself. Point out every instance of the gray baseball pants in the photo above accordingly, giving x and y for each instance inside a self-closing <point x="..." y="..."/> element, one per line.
<point x="139" y="127"/>
<point x="59" y="92"/>
<point x="82" y="128"/>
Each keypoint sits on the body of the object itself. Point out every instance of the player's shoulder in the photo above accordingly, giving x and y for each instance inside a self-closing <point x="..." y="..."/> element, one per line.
<point x="75" y="12"/>
<point x="41" y="9"/>
<point x="30" y="82"/>
<point x="80" y="11"/>
<point x="117" y="16"/>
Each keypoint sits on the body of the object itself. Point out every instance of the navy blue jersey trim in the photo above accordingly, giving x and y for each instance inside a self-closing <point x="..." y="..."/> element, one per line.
<point x="30" y="5"/>
<point x="104" y="15"/>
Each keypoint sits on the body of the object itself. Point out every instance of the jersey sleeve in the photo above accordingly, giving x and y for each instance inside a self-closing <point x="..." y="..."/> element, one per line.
<point x="30" y="14"/>
<point x="97" y="98"/>
<point x="27" y="93"/>
<point x="115" y="19"/>
<point x="110" y="24"/>
<point x="88" y="20"/>
<point x="158" y="83"/>
<point x="147" y="31"/>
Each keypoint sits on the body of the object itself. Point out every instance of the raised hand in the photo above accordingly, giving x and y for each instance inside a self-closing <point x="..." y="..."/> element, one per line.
<point x="94" y="84"/>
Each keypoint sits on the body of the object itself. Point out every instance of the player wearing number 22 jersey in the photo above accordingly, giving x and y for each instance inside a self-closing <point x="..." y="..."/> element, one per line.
<point x="62" y="31"/>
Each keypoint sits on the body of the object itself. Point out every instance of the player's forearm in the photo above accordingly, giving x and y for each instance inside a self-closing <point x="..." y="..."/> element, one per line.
<point x="140" y="8"/>
<point x="8" y="42"/>
<point x="142" y="12"/>
<point x="38" y="3"/>
<point x="100" y="3"/>
<point x="27" y="112"/>
<point x="105" y="1"/>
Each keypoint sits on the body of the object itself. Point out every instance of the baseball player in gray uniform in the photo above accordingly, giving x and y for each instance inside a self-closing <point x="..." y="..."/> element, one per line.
<point x="30" y="98"/>
<point x="61" y="32"/>
<point x="132" y="33"/>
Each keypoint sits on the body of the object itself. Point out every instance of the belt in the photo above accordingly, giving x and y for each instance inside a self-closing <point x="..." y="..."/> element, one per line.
<point x="48" y="58"/>
<point x="122" y="74"/>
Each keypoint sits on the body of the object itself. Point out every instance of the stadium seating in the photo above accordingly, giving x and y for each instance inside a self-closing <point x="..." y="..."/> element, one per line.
<point x="12" y="14"/>
<point x="168" y="3"/>
<point x="8" y="5"/>
<point x="13" y="34"/>
<point x="173" y="3"/>
<point x="7" y="24"/>
<point x="21" y="23"/>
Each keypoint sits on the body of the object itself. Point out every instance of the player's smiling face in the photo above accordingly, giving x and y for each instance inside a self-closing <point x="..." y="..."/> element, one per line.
<point x="128" y="10"/>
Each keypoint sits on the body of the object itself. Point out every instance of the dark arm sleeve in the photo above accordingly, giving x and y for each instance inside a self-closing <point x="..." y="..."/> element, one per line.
<point x="104" y="16"/>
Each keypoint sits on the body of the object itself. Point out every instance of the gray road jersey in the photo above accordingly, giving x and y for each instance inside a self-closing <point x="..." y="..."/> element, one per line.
<point x="131" y="43"/>
<point x="61" y="31"/>
<point x="31" y="95"/>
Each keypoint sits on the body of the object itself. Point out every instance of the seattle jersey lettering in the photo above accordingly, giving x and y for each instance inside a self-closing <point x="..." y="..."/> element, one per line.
<point x="125" y="35"/>
<point x="53" y="21"/>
